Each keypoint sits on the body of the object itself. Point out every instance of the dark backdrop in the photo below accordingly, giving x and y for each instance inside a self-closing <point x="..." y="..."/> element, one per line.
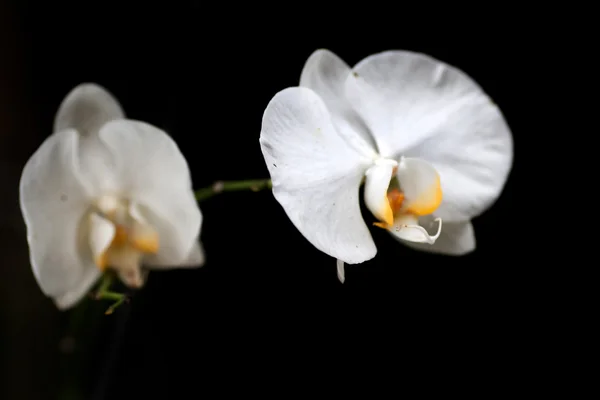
<point x="267" y="313"/>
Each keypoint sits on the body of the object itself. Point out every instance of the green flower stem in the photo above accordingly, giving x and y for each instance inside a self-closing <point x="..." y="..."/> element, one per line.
<point x="231" y="186"/>
<point x="107" y="280"/>
<point x="104" y="294"/>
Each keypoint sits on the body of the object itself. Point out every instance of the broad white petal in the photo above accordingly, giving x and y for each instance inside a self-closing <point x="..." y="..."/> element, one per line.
<point x="101" y="234"/>
<point x="316" y="174"/>
<point x="53" y="203"/>
<point x="376" y="186"/>
<point x="407" y="228"/>
<point x="420" y="183"/>
<point x="420" y="107"/>
<point x="195" y="259"/>
<point x="86" y="108"/>
<point x="325" y="73"/>
<point x="456" y="239"/>
<point x="71" y="297"/>
<point x="149" y="170"/>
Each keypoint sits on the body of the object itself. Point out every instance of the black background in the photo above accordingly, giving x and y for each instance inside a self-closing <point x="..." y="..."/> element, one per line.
<point x="266" y="315"/>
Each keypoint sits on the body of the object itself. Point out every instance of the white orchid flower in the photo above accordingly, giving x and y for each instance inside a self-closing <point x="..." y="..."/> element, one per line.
<point x="106" y="192"/>
<point x="396" y="114"/>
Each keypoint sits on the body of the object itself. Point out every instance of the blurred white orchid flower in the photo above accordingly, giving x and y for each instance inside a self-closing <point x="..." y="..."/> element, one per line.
<point x="106" y="192"/>
<point x="396" y="114"/>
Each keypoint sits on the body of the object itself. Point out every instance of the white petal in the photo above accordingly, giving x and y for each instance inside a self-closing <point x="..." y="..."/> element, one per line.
<point x="101" y="234"/>
<point x="151" y="172"/>
<point x="73" y="296"/>
<point x="406" y="227"/>
<point x="86" y="108"/>
<point x="341" y="274"/>
<point x="53" y="204"/>
<point x="195" y="259"/>
<point x="420" y="184"/>
<point x="420" y="107"/>
<point x="456" y="239"/>
<point x="376" y="187"/>
<point x="316" y="175"/>
<point x="97" y="169"/>
<point x="325" y="73"/>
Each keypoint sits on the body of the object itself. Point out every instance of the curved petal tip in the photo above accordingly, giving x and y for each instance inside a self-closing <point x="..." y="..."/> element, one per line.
<point x="86" y="108"/>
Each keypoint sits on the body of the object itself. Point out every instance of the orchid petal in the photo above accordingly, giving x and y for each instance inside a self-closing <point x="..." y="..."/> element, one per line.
<point x="325" y="73"/>
<point x="53" y="202"/>
<point x="420" y="107"/>
<point x="86" y="108"/>
<point x="195" y="259"/>
<point x="316" y="174"/>
<point x="147" y="167"/>
<point x="72" y="296"/>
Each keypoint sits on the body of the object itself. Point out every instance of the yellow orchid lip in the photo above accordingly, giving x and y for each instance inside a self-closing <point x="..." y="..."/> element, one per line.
<point x="428" y="201"/>
<point x="145" y="243"/>
<point x="120" y="237"/>
<point x="419" y="192"/>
